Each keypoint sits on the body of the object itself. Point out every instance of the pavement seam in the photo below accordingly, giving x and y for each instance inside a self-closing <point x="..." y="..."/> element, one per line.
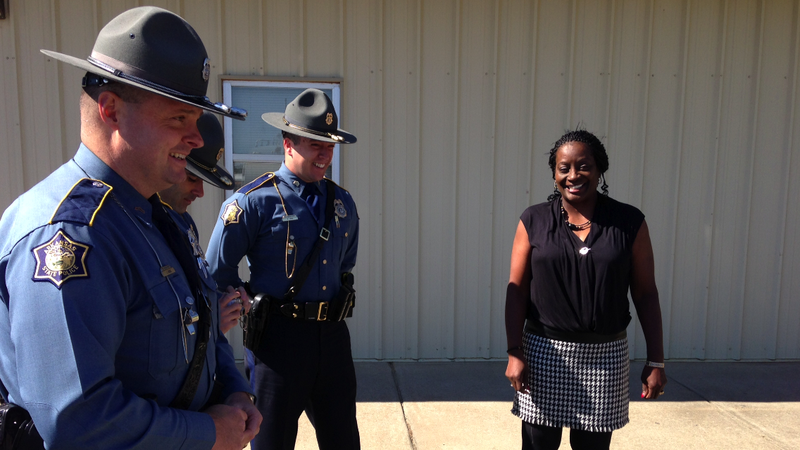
<point x="411" y="439"/>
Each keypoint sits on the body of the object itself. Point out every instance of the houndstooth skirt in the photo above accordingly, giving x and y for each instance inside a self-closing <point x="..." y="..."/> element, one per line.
<point x="575" y="385"/>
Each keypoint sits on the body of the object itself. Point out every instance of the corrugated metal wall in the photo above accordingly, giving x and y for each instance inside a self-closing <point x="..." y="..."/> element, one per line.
<point x="456" y="103"/>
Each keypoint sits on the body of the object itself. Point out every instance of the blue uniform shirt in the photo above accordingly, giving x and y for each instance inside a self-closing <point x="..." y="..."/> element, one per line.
<point x="92" y="342"/>
<point x="277" y="232"/>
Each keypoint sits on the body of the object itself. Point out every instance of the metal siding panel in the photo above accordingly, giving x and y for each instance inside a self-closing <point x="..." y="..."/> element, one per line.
<point x="695" y="224"/>
<point x="475" y="147"/>
<point x="401" y="218"/>
<point x="283" y="38"/>
<point x="243" y="51"/>
<point x="770" y="174"/>
<point x="323" y="38"/>
<point x="590" y="69"/>
<point x="512" y="158"/>
<point x="438" y="134"/>
<point x="733" y="184"/>
<point x="660" y="170"/>
<point x="10" y="130"/>
<point x="789" y="309"/>
<point x="362" y="107"/>
<point x="40" y="120"/>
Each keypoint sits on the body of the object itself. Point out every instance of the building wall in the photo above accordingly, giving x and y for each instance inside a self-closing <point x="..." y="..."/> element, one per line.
<point x="456" y="104"/>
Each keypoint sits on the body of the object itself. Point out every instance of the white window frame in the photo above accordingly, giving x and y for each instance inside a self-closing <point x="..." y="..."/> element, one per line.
<point x="229" y="83"/>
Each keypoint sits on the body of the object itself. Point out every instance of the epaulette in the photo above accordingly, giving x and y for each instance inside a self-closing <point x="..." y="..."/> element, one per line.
<point x="255" y="184"/>
<point x="82" y="202"/>
<point x="334" y="183"/>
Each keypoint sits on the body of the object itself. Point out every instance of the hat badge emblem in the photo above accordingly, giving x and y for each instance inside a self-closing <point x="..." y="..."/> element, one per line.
<point x="206" y="70"/>
<point x="329" y="118"/>
<point x="219" y="153"/>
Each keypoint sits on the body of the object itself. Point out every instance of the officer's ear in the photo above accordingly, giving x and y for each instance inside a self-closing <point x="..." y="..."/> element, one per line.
<point x="288" y="146"/>
<point x="108" y="107"/>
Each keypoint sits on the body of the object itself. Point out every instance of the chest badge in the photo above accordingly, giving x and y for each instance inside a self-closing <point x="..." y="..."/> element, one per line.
<point x="197" y="249"/>
<point x="231" y="213"/>
<point x="338" y="208"/>
<point x="60" y="259"/>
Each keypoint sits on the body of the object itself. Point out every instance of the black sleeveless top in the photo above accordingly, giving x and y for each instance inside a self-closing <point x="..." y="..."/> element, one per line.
<point x="581" y="286"/>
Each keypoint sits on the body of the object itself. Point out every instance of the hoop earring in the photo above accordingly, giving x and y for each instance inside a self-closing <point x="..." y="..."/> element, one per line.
<point x="556" y="194"/>
<point x="604" y="187"/>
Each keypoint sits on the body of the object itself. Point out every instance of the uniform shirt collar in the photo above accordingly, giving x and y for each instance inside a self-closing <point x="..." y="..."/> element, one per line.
<point x="130" y="198"/>
<point x="294" y="182"/>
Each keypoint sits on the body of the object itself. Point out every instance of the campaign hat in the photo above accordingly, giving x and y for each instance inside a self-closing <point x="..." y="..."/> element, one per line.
<point x="203" y="161"/>
<point x="155" y="50"/>
<point x="310" y="115"/>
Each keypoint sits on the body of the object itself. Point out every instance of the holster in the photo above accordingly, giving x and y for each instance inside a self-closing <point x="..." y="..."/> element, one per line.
<point x="255" y="323"/>
<point x="17" y="430"/>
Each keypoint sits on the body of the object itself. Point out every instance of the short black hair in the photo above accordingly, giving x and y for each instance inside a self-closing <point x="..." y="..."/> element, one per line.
<point x="292" y="137"/>
<point x="595" y="146"/>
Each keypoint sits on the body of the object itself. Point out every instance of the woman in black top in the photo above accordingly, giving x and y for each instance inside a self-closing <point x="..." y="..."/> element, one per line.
<point x="573" y="260"/>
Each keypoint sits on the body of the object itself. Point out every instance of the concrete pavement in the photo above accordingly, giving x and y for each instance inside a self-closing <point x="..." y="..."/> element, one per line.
<point x="466" y="405"/>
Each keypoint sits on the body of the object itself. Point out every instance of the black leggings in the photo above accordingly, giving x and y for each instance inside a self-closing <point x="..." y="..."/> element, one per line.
<point x="540" y="437"/>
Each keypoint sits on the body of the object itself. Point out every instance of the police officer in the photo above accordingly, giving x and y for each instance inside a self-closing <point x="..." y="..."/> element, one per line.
<point x="201" y="165"/>
<point x="304" y="359"/>
<point x="108" y="327"/>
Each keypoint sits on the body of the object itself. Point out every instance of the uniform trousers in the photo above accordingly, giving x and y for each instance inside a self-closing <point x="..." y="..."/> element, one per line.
<point x="306" y="365"/>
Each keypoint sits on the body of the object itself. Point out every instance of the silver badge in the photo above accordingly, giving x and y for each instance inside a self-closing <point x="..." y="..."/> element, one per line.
<point x="584" y="250"/>
<point x="206" y="70"/>
<point x="338" y="208"/>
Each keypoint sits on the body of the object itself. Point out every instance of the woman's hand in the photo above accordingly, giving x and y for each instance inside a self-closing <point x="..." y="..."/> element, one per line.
<point x="653" y="381"/>
<point x="517" y="371"/>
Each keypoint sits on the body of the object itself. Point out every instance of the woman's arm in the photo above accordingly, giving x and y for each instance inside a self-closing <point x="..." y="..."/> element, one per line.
<point x="645" y="298"/>
<point x="517" y="300"/>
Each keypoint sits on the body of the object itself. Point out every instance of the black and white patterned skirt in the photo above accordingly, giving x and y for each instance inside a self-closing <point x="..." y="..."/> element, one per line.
<point x="575" y="385"/>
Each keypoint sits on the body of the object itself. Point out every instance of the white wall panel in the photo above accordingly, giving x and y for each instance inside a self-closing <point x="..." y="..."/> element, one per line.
<point x="456" y="104"/>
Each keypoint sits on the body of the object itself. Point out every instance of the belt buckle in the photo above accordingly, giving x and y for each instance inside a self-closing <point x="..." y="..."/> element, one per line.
<point x="322" y="312"/>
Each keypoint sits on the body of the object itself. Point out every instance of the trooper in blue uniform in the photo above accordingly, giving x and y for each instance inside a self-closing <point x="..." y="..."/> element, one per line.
<point x="304" y="361"/>
<point x="202" y="166"/>
<point x="108" y="326"/>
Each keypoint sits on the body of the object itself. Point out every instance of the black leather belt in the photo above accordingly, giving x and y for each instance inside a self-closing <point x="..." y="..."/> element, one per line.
<point x="317" y="311"/>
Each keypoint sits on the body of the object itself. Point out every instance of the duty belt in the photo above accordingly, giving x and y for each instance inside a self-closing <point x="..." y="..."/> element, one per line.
<point x="318" y="311"/>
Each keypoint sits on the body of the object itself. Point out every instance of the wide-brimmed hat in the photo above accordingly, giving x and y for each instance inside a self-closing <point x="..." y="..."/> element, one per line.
<point x="203" y="161"/>
<point x="155" y="50"/>
<point x="310" y="115"/>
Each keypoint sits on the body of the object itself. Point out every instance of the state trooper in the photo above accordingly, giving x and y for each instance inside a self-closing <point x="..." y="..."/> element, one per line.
<point x="303" y="360"/>
<point x="202" y="165"/>
<point x="108" y="325"/>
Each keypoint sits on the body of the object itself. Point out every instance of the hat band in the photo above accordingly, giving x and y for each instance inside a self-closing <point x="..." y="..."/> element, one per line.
<point x="210" y="169"/>
<point x="335" y="137"/>
<point x="150" y="84"/>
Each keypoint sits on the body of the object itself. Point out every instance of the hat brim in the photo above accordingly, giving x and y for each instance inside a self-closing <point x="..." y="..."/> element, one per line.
<point x="276" y="120"/>
<point x="217" y="178"/>
<point x="200" y="102"/>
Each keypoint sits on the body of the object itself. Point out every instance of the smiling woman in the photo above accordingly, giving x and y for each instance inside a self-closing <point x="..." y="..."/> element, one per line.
<point x="573" y="260"/>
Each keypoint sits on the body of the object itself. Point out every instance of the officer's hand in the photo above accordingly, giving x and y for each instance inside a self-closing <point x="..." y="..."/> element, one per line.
<point x="245" y="299"/>
<point x="230" y="424"/>
<point x="230" y="307"/>
<point x="242" y="401"/>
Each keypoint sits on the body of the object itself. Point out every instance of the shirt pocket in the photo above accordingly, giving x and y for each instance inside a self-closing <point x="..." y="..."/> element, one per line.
<point x="165" y="331"/>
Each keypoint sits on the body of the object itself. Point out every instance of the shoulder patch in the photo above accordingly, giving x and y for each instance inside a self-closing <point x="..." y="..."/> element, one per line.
<point x="255" y="184"/>
<point x="231" y="213"/>
<point x="82" y="202"/>
<point x="60" y="259"/>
